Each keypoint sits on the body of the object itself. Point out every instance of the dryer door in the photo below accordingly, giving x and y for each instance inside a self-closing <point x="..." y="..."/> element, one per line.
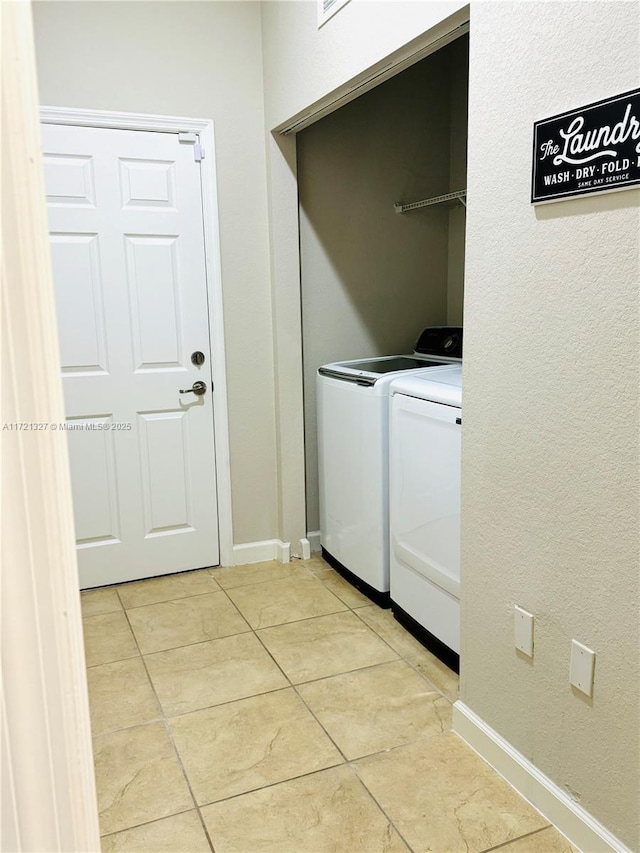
<point x="425" y="490"/>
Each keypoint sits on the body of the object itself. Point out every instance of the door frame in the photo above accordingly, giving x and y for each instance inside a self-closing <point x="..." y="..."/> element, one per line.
<point x="211" y="221"/>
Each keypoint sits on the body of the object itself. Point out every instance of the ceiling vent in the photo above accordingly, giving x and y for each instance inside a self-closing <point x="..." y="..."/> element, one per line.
<point x="328" y="8"/>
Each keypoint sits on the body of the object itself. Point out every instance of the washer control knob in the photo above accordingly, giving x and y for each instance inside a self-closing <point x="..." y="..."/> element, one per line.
<point x="450" y="343"/>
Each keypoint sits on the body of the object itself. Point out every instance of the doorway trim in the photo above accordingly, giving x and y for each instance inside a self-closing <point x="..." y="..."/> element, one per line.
<point x="211" y="222"/>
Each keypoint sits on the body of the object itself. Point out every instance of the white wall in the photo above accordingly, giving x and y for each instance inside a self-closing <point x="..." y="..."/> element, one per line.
<point x="202" y="60"/>
<point x="304" y="68"/>
<point x="550" y="440"/>
<point x="371" y="279"/>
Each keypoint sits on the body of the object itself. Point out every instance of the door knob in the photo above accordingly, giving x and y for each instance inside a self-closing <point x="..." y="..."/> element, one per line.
<point x="198" y="388"/>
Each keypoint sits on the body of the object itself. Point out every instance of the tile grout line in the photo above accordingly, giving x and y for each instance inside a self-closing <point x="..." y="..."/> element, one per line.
<point x="399" y="659"/>
<point x="379" y="806"/>
<point x="347" y="762"/>
<point x="169" y="733"/>
<point x="344" y="609"/>
<point x="210" y="570"/>
<point x="519" y="838"/>
<point x="397" y="748"/>
<point x="292" y="686"/>
<point x="176" y="598"/>
<point x="229" y="702"/>
<point x="402" y="657"/>
<point x="415" y="668"/>
<point x="146" y="822"/>
<point x="211" y="573"/>
<point x="252" y="583"/>
<point x="310" y="575"/>
<point x="272" y="785"/>
<point x="198" y="643"/>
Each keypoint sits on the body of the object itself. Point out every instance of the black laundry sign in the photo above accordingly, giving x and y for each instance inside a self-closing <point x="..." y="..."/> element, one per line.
<point x="592" y="149"/>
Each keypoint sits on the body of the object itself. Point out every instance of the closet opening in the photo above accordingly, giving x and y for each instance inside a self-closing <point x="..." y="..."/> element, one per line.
<point x="372" y="278"/>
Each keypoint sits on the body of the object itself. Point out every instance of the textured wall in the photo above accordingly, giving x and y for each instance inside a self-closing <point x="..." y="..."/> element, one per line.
<point x="304" y="63"/>
<point x="550" y="442"/>
<point x="372" y="280"/>
<point x="202" y="60"/>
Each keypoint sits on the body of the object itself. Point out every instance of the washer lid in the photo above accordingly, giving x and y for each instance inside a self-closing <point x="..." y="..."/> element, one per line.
<point x="367" y="371"/>
<point x="445" y="386"/>
<point x="388" y="364"/>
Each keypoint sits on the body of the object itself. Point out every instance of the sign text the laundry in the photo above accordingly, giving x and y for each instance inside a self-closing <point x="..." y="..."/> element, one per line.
<point x="588" y="150"/>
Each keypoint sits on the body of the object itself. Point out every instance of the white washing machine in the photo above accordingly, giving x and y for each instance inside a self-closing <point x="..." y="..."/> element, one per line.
<point x="353" y="432"/>
<point x="424" y="476"/>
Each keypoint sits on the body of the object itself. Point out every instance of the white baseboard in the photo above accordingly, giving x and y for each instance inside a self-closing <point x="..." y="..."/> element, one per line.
<point x="305" y="549"/>
<point x="283" y="551"/>
<point x="313" y="537"/>
<point x="260" y="552"/>
<point x="570" y="818"/>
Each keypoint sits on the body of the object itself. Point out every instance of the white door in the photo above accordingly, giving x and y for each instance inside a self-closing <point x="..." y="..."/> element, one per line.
<point x="125" y="217"/>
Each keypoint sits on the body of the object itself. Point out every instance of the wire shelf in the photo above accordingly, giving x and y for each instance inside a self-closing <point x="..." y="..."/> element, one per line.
<point x="448" y="199"/>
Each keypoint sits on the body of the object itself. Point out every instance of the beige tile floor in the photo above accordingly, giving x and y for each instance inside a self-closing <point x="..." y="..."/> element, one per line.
<point x="271" y="708"/>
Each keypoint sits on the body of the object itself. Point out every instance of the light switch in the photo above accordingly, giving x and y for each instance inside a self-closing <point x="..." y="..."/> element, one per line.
<point x="583" y="661"/>
<point x="523" y="630"/>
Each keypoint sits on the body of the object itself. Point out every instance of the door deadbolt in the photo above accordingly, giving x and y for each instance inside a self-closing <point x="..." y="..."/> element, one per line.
<point x="197" y="357"/>
<point x="198" y="388"/>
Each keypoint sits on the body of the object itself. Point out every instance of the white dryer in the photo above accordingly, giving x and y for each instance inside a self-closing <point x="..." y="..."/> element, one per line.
<point x="424" y="476"/>
<point x="353" y="431"/>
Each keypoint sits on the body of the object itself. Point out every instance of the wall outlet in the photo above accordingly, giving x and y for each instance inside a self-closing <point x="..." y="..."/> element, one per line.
<point x="523" y="630"/>
<point x="583" y="661"/>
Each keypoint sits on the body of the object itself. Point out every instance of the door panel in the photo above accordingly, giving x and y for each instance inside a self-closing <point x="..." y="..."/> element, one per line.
<point x="80" y="303"/>
<point x="165" y="471"/>
<point x="96" y="501"/>
<point x="128" y="258"/>
<point x="69" y="180"/>
<point x="152" y="267"/>
<point x="147" y="184"/>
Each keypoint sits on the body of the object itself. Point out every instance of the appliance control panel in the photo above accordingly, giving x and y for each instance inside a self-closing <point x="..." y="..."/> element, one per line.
<point x="440" y="341"/>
